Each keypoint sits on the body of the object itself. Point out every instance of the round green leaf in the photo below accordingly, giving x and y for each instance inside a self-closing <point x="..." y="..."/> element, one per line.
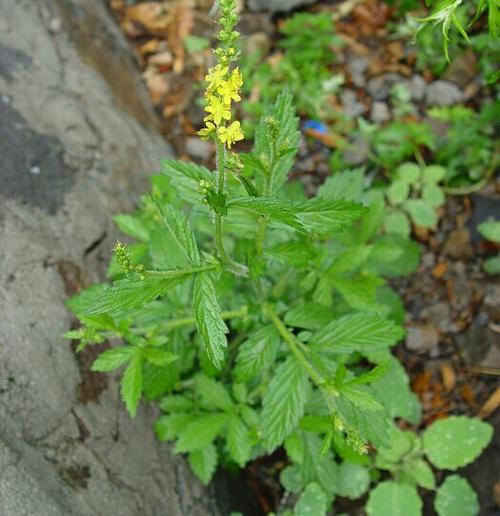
<point x="353" y="480"/>
<point x="312" y="502"/>
<point x="291" y="479"/>
<point x="409" y="172"/>
<point x="398" y="192"/>
<point x="419" y="471"/>
<point x="421" y="213"/>
<point x="397" y="222"/>
<point x="456" y="497"/>
<point x="490" y="229"/>
<point x="433" y="174"/>
<point x="456" y="441"/>
<point x="393" y="499"/>
<point x="433" y="195"/>
<point x="492" y="265"/>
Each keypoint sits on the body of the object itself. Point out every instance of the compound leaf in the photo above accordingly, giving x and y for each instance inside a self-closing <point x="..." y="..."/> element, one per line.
<point x="131" y="385"/>
<point x="203" y="462"/>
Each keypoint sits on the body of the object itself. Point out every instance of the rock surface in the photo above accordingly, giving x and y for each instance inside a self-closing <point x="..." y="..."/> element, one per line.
<point x="77" y="136"/>
<point x="443" y="93"/>
<point x="276" y="5"/>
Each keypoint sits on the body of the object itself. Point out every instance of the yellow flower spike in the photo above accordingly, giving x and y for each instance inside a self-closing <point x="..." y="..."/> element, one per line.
<point x="236" y="78"/>
<point x="207" y="132"/>
<point x="228" y="92"/>
<point x="218" y="110"/>
<point x="230" y="134"/>
<point x="215" y="76"/>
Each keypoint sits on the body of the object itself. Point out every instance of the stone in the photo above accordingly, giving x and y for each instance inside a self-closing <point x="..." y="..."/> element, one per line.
<point x="417" y="87"/>
<point x="257" y="42"/>
<point x="356" y="67"/>
<point x="421" y="338"/>
<point x="380" y="112"/>
<point x="276" y="5"/>
<point x="199" y="149"/>
<point x="443" y="93"/>
<point x="78" y="137"/>
<point x="491" y="301"/>
<point x="350" y="104"/>
<point x="357" y="152"/>
<point x="379" y="87"/>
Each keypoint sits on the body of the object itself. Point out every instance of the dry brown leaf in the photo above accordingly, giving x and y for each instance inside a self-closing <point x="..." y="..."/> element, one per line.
<point x="157" y="86"/>
<point x="150" y="15"/>
<point x="449" y="377"/>
<point x="440" y="269"/>
<point x="491" y="404"/>
<point x="181" y="22"/>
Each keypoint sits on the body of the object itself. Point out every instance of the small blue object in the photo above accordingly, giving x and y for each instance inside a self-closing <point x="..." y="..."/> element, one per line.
<point x="315" y="125"/>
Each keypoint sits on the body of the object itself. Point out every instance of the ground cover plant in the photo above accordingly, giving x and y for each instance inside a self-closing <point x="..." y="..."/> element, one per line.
<point x="260" y="318"/>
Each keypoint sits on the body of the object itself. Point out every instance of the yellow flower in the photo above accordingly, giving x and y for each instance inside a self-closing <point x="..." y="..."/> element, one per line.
<point x="215" y="76"/>
<point x="236" y="79"/>
<point x="218" y="109"/>
<point x="207" y="131"/>
<point x="228" y="92"/>
<point x="231" y="134"/>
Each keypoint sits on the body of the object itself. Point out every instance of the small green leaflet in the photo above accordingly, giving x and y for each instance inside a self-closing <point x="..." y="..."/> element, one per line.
<point x="176" y="403"/>
<point x="168" y="428"/>
<point x="490" y="229"/>
<point x="358" y="332"/>
<point x="131" y="385"/>
<point x="113" y="358"/>
<point x="185" y="178"/>
<point x="158" y="357"/>
<point x="132" y="226"/>
<point x="200" y="433"/>
<point x="211" y="327"/>
<point x="456" y="497"/>
<point x="347" y="185"/>
<point x="353" y="480"/>
<point x="212" y="393"/>
<point x="371" y="376"/>
<point x="203" y="462"/>
<point x="359" y="291"/>
<point x="238" y="440"/>
<point x="324" y="216"/>
<point x="456" y="441"/>
<point x="127" y="295"/>
<point x="420" y="472"/>
<point x="392" y="499"/>
<point x="283" y="403"/>
<point x="312" y="502"/>
<point x="277" y="209"/>
<point x="257" y="353"/>
<point x="310" y="316"/>
<point x="180" y="230"/>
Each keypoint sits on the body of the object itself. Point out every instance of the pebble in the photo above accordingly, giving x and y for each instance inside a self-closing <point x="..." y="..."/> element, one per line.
<point x="417" y="87"/>
<point x="380" y="86"/>
<point x="357" y="152"/>
<point x="443" y="93"/>
<point x="357" y="67"/>
<point x="198" y="149"/>
<point x="421" y="338"/>
<point x="350" y="104"/>
<point x="380" y="112"/>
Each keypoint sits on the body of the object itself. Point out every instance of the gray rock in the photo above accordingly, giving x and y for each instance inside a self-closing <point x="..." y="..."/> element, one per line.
<point x="199" y="149"/>
<point x="417" y="87"/>
<point x="77" y="136"/>
<point x="443" y="93"/>
<point x="380" y="112"/>
<point x="379" y="87"/>
<point x="357" y="67"/>
<point x="350" y="104"/>
<point x="421" y="338"/>
<point x="357" y="152"/>
<point x="276" y="5"/>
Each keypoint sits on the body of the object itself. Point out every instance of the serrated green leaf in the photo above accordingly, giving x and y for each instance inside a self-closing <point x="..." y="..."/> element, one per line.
<point x="176" y="403"/>
<point x="210" y="325"/>
<point x="398" y="192"/>
<point x="347" y="185"/>
<point x="400" y="444"/>
<point x="238" y="441"/>
<point x="157" y="380"/>
<point x="433" y="174"/>
<point x="132" y="226"/>
<point x="312" y="502"/>
<point x="392" y="499"/>
<point x="168" y="428"/>
<point x="397" y="222"/>
<point x="294" y="253"/>
<point x="310" y="316"/>
<point x="358" y="332"/>
<point x="492" y="265"/>
<point x="213" y="393"/>
<point x="203" y="462"/>
<point x="277" y="209"/>
<point x="433" y="195"/>
<point x="393" y="390"/>
<point x="325" y="216"/>
<point x="291" y="479"/>
<point x="371" y="376"/>
<point x="490" y="229"/>
<point x="283" y="403"/>
<point x="201" y="432"/>
<point x="179" y="229"/>
<point x="257" y="353"/>
<point x="350" y="259"/>
<point x="353" y="480"/>
<point x="361" y="398"/>
<point x="158" y="357"/>
<point x="359" y="291"/>
<point x="113" y="358"/>
<point x="420" y="472"/>
<point x="185" y="178"/>
<point x="456" y="441"/>
<point x="421" y="213"/>
<point x="456" y="497"/>
<point x="409" y="172"/>
<point x="131" y="385"/>
<point x="127" y="295"/>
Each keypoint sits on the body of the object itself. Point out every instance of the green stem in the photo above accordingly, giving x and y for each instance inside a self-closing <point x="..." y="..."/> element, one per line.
<point x="179" y="273"/>
<point x="294" y="346"/>
<point x="235" y="268"/>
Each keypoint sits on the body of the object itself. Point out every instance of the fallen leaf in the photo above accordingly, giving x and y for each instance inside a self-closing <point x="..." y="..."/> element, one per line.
<point x="440" y="269"/>
<point x="491" y="404"/>
<point x="150" y="15"/>
<point x="181" y="23"/>
<point x="449" y="377"/>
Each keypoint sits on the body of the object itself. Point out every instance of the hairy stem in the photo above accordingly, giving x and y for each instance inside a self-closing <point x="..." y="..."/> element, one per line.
<point x="179" y="273"/>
